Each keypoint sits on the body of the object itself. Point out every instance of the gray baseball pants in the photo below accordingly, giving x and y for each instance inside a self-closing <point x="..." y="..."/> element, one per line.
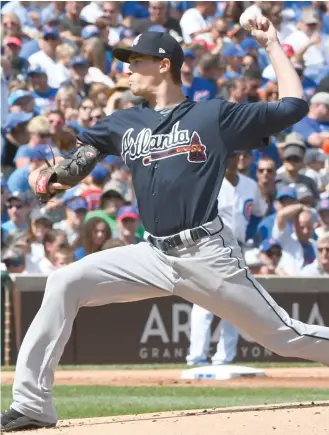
<point x="210" y="273"/>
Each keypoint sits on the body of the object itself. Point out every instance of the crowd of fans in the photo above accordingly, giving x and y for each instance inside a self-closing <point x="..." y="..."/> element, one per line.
<point x="60" y="76"/>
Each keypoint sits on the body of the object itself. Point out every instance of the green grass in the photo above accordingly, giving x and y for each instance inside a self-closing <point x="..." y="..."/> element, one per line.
<point x="91" y="401"/>
<point x="168" y="366"/>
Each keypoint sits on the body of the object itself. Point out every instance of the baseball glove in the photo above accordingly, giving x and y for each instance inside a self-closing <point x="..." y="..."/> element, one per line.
<point x="66" y="173"/>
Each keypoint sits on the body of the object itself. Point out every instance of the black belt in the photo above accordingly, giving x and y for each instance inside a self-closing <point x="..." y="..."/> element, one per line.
<point x="176" y="241"/>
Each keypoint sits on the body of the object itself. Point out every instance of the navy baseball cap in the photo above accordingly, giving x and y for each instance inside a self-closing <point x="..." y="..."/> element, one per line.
<point x="323" y="205"/>
<point x="286" y="191"/>
<point x="157" y="44"/>
<point x="36" y="69"/>
<point x="90" y="31"/>
<point x="76" y="204"/>
<point x="16" y="118"/>
<point x="79" y="60"/>
<point x="127" y="212"/>
<point x="267" y="244"/>
<point x="50" y="31"/>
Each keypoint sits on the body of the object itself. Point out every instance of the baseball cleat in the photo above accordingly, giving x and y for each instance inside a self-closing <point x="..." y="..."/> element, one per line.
<point x="12" y="421"/>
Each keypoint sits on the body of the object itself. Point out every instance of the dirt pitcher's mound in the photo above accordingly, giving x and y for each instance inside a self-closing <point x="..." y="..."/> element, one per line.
<point x="295" y="419"/>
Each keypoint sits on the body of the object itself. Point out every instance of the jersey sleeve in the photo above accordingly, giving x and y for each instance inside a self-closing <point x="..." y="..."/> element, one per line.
<point x="99" y="136"/>
<point x="248" y="126"/>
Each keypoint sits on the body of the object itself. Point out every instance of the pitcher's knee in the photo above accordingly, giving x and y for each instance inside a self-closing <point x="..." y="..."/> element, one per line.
<point x="64" y="281"/>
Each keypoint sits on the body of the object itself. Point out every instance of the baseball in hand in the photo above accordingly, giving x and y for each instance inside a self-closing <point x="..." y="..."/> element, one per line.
<point x="251" y="13"/>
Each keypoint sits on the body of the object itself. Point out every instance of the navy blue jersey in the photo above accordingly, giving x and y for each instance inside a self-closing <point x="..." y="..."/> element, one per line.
<point x="178" y="161"/>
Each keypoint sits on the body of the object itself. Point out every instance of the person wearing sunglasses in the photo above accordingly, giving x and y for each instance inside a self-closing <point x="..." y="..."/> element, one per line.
<point x="84" y="116"/>
<point x="270" y="254"/>
<point x="320" y="267"/>
<point x="18" y="211"/>
<point x="293" y="162"/>
<point x="38" y="129"/>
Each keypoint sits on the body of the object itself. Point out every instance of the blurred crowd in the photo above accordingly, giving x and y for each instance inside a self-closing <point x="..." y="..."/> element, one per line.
<point x="58" y="77"/>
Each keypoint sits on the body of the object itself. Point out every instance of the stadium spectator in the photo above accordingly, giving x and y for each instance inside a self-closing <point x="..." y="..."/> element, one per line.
<point x="96" y="115"/>
<point x="314" y="162"/>
<point x="56" y="121"/>
<point x="233" y="55"/>
<point x="196" y="21"/>
<point x="47" y="58"/>
<point x="117" y="30"/>
<point x="320" y="266"/>
<point x="94" y="233"/>
<point x="39" y="225"/>
<point x="84" y="116"/>
<point x="15" y="134"/>
<point x="237" y="90"/>
<point x="285" y="196"/>
<point x="52" y="242"/>
<point x="11" y="25"/>
<point x="245" y="162"/>
<point x="270" y="92"/>
<point x="299" y="248"/>
<point x="20" y="100"/>
<point x="43" y="94"/>
<point x="4" y="199"/>
<point x="38" y="129"/>
<point x="75" y="212"/>
<point x="306" y="40"/>
<point x="54" y="8"/>
<point x="99" y="94"/>
<point x="270" y="254"/>
<point x="314" y="128"/>
<point x="18" y="210"/>
<point x="323" y="216"/>
<point x="66" y="100"/>
<point x="95" y="182"/>
<point x="293" y="161"/>
<point x="265" y="174"/>
<point x="158" y="16"/>
<point x="78" y="71"/>
<point x="14" y="260"/>
<point x="71" y="25"/>
<point x="195" y="88"/>
<point x="128" y="221"/>
<point x="62" y="257"/>
<point x="19" y="178"/>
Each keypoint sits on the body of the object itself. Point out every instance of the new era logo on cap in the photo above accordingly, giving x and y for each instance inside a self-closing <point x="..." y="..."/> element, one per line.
<point x="161" y="50"/>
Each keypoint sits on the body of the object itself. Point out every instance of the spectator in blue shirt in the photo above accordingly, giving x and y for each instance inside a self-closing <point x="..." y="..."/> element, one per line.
<point x="233" y="55"/>
<point x="314" y="128"/>
<point x="39" y="131"/>
<point x="195" y="88"/>
<point x="286" y="195"/>
<point x="19" y="179"/>
<point x="18" y="211"/>
<point x="14" y="135"/>
<point x="43" y="94"/>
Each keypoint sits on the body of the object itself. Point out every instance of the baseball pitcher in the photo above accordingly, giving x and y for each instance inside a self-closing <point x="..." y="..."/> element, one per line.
<point x="177" y="151"/>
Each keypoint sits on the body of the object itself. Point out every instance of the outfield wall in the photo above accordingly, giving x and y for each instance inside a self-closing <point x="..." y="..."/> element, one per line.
<point x="156" y="330"/>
